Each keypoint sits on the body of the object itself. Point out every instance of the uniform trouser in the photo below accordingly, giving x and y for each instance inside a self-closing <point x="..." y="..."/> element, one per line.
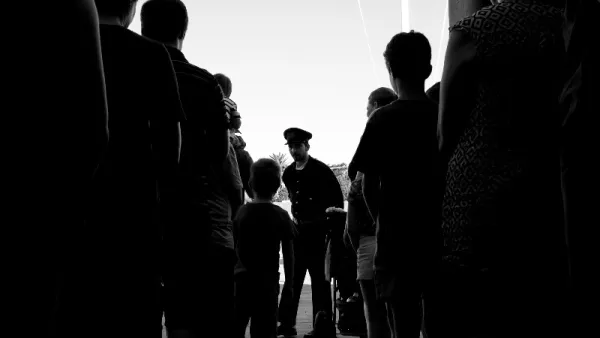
<point x="309" y="254"/>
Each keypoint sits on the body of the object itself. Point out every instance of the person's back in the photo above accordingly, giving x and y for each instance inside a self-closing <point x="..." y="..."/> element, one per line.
<point x="205" y="142"/>
<point x="408" y="138"/>
<point x="55" y="129"/>
<point x="140" y="164"/>
<point x="199" y="245"/>
<point x="518" y="80"/>
<point x="403" y="198"/>
<point x="509" y="137"/>
<point x="260" y="228"/>
<point x="142" y="95"/>
<point x="499" y="128"/>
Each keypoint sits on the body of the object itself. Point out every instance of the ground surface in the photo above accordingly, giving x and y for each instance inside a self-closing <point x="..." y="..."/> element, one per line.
<point x="304" y="319"/>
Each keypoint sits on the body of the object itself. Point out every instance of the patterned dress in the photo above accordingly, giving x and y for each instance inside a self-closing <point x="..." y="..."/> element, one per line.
<point x="501" y="177"/>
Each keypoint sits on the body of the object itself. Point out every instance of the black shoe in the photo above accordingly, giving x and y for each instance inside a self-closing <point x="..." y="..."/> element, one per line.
<point x="286" y="331"/>
<point x="324" y="327"/>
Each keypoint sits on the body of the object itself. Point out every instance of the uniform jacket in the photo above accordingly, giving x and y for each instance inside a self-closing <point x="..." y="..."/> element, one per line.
<point x="312" y="190"/>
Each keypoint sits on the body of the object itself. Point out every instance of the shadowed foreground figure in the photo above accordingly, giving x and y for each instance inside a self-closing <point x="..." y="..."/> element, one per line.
<point x="198" y="272"/>
<point x="118" y="282"/>
<point x="58" y="129"/>
<point x="504" y="264"/>
<point x="403" y="199"/>
<point x="579" y="167"/>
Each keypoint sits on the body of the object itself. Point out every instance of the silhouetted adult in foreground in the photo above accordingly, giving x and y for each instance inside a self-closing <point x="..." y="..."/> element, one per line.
<point x="57" y="127"/>
<point x="579" y="167"/>
<point x="503" y="244"/>
<point x="199" y="245"/>
<point x="120" y="270"/>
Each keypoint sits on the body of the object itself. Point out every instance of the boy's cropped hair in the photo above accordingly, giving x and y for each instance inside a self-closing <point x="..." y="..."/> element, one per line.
<point x="408" y="56"/>
<point x="118" y="8"/>
<point x="225" y="84"/>
<point x="265" y="177"/>
<point x="164" y="20"/>
<point x="382" y="96"/>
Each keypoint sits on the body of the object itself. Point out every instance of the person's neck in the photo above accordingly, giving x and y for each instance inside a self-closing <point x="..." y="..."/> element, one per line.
<point x="410" y="91"/>
<point x="175" y="44"/>
<point x="111" y="20"/>
<point x="262" y="199"/>
<point x="302" y="164"/>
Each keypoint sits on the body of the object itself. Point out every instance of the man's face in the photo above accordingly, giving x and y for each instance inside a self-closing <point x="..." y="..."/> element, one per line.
<point x="299" y="151"/>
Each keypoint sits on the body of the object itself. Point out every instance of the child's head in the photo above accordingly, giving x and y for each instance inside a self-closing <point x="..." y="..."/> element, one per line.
<point x="225" y="84"/>
<point x="265" y="178"/>
<point x="408" y="58"/>
<point x="380" y="97"/>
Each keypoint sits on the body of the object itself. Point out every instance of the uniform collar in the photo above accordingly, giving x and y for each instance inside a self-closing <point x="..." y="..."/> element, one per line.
<point x="306" y="165"/>
<point x="176" y="54"/>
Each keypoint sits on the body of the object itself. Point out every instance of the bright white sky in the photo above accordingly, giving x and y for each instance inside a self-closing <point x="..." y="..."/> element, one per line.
<point x="304" y="63"/>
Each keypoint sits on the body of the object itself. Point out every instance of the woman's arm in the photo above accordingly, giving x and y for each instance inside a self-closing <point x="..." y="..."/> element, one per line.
<point x="352" y="230"/>
<point x="456" y="90"/>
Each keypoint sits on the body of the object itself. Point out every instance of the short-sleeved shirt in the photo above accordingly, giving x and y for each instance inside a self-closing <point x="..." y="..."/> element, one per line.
<point x="259" y="230"/>
<point x="205" y="109"/>
<point x="312" y="190"/>
<point x="224" y="181"/>
<point x="399" y="145"/>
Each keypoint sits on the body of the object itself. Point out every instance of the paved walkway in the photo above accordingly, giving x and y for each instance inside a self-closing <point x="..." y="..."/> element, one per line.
<point x="304" y="319"/>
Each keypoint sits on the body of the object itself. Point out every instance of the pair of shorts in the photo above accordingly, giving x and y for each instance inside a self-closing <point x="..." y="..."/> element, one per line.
<point x="365" y="257"/>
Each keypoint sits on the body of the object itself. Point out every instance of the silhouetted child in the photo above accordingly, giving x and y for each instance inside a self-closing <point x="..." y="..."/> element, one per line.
<point x="404" y="200"/>
<point x="259" y="229"/>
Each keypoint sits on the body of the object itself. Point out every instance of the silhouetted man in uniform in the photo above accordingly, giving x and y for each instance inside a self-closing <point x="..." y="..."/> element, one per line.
<point x="312" y="188"/>
<point x="121" y="270"/>
<point x="55" y="129"/>
<point x="200" y="256"/>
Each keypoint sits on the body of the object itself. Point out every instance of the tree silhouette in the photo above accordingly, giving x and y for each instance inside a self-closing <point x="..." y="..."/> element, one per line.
<point x="280" y="158"/>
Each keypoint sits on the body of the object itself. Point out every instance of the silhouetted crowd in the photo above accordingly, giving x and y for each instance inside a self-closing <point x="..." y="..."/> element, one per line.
<point x="130" y="196"/>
